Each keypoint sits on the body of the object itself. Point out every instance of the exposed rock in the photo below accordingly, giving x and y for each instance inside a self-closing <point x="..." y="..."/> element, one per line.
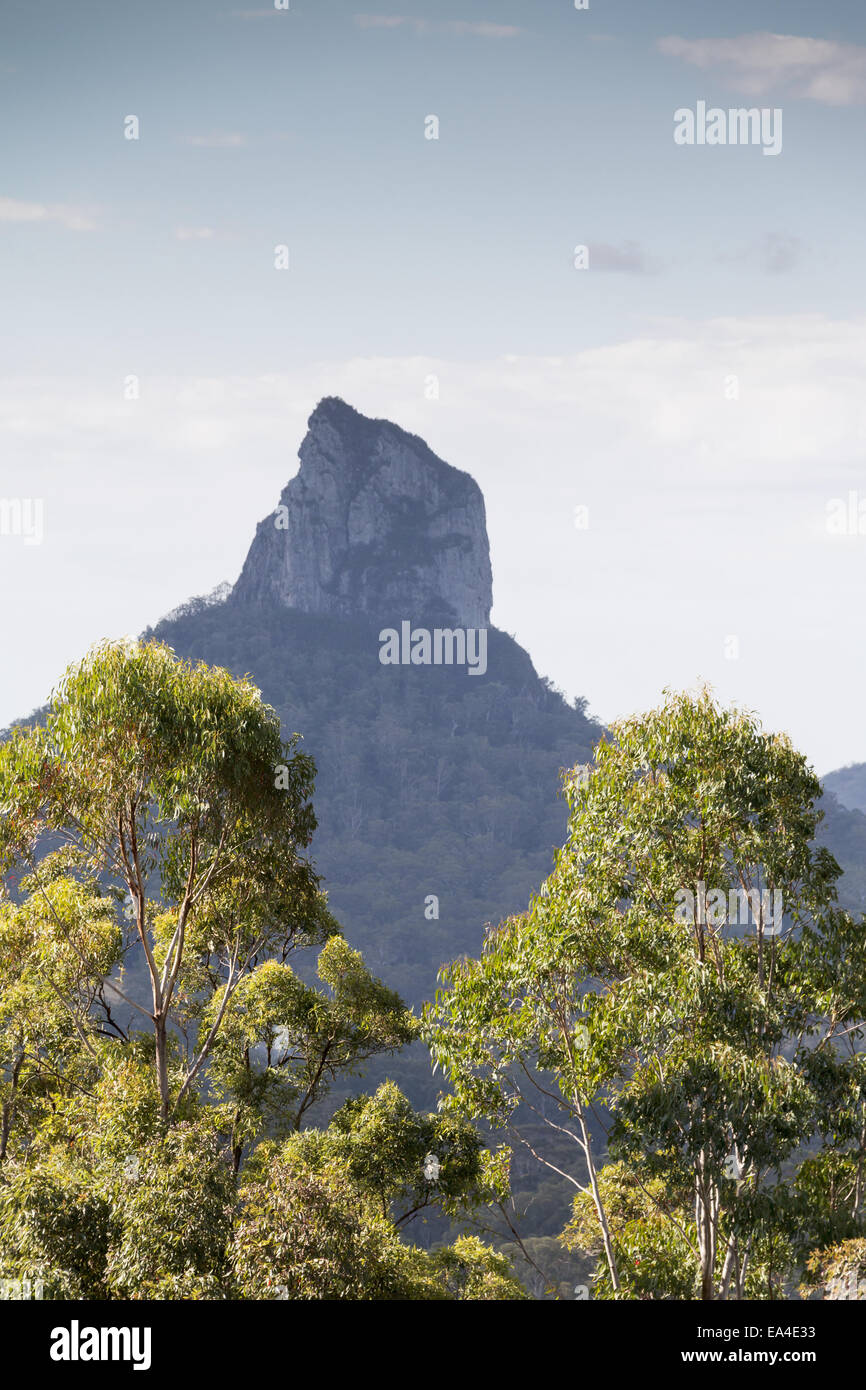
<point x="372" y="523"/>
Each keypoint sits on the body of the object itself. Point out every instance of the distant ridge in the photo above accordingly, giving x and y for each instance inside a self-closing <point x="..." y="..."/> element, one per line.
<point x="848" y="785"/>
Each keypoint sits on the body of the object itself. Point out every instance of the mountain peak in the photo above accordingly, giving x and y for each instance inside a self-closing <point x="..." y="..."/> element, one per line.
<point x="372" y="523"/>
<point x="334" y="407"/>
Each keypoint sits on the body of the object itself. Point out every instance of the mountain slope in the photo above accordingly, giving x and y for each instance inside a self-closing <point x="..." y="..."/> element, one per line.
<point x="848" y="785"/>
<point x="431" y="782"/>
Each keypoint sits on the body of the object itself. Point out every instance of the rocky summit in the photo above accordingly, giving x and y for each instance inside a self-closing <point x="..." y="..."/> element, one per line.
<point x="372" y="523"/>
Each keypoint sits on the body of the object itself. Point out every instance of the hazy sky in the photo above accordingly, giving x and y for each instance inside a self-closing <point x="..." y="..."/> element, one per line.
<point x="699" y="387"/>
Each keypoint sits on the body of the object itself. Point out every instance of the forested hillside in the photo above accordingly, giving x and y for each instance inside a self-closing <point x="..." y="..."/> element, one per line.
<point x="430" y="782"/>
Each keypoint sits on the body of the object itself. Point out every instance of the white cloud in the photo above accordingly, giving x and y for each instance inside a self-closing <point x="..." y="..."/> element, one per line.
<point x="74" y="219"/>
<point x="383" y="21"/>
<point x="482" y="30"/>
<point x="707" y="510"/>
<point x="773" y="65"/>
<point x="775" y="253"/>
<point x="628" y="259"/>
<point x="476" y="28"/>
<point x="218" y="140"/>
<point x="194" y="233"/>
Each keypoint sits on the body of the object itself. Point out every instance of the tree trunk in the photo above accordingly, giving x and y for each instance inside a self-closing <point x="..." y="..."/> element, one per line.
<point x="161" y="1063"/>
<point x="9" y="1107"/>
<point x="706" y="1221"/>
<point x="729" y="1268"/>
<point x="599" y="1204"/>
<point x="858" y="1186"/>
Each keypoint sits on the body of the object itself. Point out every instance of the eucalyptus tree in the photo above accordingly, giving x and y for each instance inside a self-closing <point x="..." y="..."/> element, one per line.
<point x="160" y="1058"/>
<point x="171" y="783"/>
<point x="685" y="967"/>
<point x="52" y="970"/>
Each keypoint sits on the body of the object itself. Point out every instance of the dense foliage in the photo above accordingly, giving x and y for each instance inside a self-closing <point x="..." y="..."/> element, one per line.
<point x="183" y="1022"/>
<point x="656" y="978"/>
<point x="152" y="1122"/>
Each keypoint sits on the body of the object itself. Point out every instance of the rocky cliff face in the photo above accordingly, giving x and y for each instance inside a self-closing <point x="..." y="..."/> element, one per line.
<point x="373" y="523"/>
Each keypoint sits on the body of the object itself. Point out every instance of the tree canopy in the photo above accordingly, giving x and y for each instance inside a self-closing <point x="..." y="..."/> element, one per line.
<point x="684" y="997"/>
<point x="157" y="1146"/>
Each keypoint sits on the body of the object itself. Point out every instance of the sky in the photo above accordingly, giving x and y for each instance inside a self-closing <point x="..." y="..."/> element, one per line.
<point x="668" y="425"/>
